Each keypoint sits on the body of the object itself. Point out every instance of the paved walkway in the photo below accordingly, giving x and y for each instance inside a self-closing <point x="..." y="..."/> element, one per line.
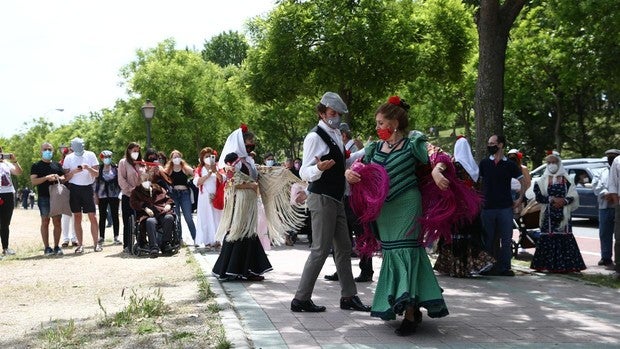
<point x="529" y="310"/>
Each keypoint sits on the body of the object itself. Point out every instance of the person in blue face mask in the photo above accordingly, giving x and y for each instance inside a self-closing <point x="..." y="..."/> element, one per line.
<point x="44" y="173"/>
<point x="107" y="191"/>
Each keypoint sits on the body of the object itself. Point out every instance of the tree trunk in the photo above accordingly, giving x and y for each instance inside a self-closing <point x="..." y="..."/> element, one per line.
<point x="494" y="23"/>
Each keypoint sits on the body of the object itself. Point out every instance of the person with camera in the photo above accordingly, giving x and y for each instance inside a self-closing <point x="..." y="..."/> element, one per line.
<point x="8" y="166"/>
<point x="81" y="168"/>
<point x="208" y="217"/>
<point x="44" y="173"/>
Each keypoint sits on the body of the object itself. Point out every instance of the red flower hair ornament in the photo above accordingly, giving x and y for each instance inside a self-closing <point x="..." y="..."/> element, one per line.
<point x="397" y="101"/>
<point x="244" y="128"/>
<point x="394" y="100"/>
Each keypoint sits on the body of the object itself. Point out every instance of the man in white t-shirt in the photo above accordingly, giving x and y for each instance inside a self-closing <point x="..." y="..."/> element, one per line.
<point x="81" y="168"/>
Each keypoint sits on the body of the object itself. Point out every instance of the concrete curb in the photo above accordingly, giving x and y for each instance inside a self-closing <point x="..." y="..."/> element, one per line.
<point x="233" y="327"/>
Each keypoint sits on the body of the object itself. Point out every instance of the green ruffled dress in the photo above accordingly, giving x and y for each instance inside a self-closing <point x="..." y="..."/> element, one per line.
<point x="406" y="276"/>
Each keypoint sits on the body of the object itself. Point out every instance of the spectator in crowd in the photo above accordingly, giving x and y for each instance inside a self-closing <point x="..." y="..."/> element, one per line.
<point x="8" y="167"/>
<point x="68" y="230"/>
<point x="130" y="168"/>
<point x="107" y="191"/>
<point x="606" y="210"/>
<point x="81" y="168"/>
<point x="270" y="159"/>
<point x="31" y="197"/>
<point x="178" y="170"/>
<point x="25" y="195"/>
<point x="614" y="190"/>
<point x="44" y="173"/>
<point x="497" y="172"/>
<point x="153" y="207"/>
<point x="323" y="167"/>
<point x="556" y="249"/>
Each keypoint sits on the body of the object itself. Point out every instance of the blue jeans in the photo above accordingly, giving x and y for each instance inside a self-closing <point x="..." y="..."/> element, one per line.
<point x="497" y="224"/>
<point x="606" y="231"/>
<point x="183" y="202"/>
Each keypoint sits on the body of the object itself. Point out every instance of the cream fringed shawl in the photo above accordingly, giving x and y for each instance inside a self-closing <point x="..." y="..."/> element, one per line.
<point x="240" y="215"/>
<point x="275" y="188"/>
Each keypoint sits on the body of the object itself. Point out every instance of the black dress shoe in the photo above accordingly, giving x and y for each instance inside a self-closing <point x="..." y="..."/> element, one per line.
<point x="353" y="303"/>
<point x="332" y="277"/>
<point x="364" y="278"/>
<point x="406" y="328"/>
<point x="307" y="306"/>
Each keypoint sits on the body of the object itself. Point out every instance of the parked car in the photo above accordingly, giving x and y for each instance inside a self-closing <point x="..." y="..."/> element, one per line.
<point x="581" y="171"/>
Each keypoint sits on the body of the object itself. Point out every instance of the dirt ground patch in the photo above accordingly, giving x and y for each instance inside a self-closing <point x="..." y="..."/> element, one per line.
<point x="40" y="292"/>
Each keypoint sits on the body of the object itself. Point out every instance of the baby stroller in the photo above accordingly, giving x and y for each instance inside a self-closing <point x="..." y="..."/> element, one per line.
<point x="528" y="225"/>
<point x="140" y="244"/>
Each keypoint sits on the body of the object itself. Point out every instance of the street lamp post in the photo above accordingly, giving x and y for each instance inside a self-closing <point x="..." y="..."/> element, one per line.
<point x="148" y="112"/>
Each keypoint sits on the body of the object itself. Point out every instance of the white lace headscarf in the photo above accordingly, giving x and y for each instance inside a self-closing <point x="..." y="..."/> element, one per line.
<point x="463" y="155"/>
<point x="236" y="144"/>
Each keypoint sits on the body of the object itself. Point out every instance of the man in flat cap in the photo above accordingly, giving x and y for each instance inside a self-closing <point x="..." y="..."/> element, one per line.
<point x="609" y="220"/>
<point x="323" y="167"/>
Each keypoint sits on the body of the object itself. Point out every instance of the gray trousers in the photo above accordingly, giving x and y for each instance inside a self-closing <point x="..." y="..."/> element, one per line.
<point x="329" y="227"/>
<point x="617" y="238"/>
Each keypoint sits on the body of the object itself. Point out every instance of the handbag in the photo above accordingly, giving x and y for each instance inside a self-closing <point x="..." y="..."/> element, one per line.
<point x="59" y="199"/>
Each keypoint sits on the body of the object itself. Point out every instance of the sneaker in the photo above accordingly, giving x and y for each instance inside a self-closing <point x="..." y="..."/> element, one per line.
<point x="605" y="262"/>
<point x="79" y="250"/>
<point x="101" y="240"/>
<point x="154" y="253"/>
<point x="58" y="251"/>
<point x="74" y="243"/>
<point x="48" y="251"/>
<point x="98" y="248"/>
<point x="8" y="252"/>
<point x="65" y="244"/>
<point x="117" y="241"/>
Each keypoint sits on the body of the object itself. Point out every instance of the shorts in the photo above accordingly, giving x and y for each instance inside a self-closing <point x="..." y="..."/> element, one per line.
<point x="44" y="205"/>
<point x="81" y="198"/>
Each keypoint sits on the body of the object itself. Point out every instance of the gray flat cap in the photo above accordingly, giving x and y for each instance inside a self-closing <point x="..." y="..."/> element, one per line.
<point x="333" y="100"/>
<point x="612" y="152"/>
<point x="344" y="127"/>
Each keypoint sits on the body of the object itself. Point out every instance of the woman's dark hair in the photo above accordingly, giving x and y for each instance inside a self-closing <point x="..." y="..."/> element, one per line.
<point x="395" y="112"/>
<point x="128" y="157"/>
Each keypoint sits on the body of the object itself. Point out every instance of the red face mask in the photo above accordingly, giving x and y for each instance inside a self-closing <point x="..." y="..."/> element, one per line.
<point x="385" y="133"/>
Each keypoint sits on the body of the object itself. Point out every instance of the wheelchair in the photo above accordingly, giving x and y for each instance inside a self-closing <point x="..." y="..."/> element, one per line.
<point x="140" y="244"/>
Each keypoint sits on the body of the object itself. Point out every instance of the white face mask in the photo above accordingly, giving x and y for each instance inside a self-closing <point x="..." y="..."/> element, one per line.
<point x="176" y="161"/>
<point x="134" y="155"/>
<point x="207" y="160"/>
<point x="553" y="168"/>
<point x="146" y="184"/>
<point x="269" y="163"/>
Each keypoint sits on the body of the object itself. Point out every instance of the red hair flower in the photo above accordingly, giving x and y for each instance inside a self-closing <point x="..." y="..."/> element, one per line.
<point x="394" y="100"/>
<point x="244" y="128"/>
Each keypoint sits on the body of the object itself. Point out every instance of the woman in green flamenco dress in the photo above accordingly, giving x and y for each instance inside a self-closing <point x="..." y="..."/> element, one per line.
<point x="406" y="280"/>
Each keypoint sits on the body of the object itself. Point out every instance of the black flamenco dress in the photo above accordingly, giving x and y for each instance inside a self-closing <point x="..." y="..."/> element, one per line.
<point x="243" y="258"/>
